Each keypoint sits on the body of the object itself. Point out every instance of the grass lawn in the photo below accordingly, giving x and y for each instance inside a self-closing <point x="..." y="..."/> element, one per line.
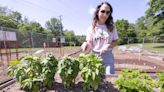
<point x="156" y="47"/>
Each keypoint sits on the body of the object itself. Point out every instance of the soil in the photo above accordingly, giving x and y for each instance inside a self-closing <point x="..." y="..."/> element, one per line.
<point x="106" y="85"/>
<point x="136" y="61"/>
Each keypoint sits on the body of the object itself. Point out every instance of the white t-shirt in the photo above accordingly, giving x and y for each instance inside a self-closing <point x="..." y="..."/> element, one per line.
<point x="100" y="36"/>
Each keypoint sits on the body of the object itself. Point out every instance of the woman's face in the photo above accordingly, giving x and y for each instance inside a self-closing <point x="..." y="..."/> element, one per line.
<point x="103" y="14"/>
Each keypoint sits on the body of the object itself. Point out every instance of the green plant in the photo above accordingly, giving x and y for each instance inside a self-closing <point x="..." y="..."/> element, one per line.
<point x="134" y="81"/>
<point x="68" y="70"/>
<point x="161" y="81"/>
<point x="50" y="64"/>
<point x="27" y="71"/>
<point x="32" y="71"/>
<point x="13" y="65"/>
<point x="91" y="67"/>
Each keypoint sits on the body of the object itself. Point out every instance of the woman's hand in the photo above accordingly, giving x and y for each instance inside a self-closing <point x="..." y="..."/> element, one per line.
<point x="104" y="48"/>
<point x="84" y="46"/>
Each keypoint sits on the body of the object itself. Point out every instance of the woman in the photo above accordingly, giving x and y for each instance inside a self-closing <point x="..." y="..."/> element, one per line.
<point x="102" y="36"/>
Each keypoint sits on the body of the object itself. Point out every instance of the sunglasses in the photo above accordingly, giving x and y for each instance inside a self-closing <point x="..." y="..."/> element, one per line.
<point x="103" y="11"/>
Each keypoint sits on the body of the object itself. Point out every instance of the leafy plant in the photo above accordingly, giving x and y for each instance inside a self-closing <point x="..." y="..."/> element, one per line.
<point x="12" y="67"/>
<point x="91" y="67"/>
<point x="134" y="81"/>
<point x="26" y="71"/>
<point x="68" y="70"/>
<point x="161" y="81"/>
<point x="32" y="71"/>
<point x="50" y="64"/>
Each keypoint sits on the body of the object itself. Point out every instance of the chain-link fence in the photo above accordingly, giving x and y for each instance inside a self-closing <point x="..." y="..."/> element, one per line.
<point x="15" y="43"/>
<point x="152" y="44"/>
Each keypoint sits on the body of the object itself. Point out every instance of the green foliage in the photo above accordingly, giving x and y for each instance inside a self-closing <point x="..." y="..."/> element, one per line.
<point x="161" y="81"/>
<point x="26" y="70"/>
<point x="50" y="64"/>
<point x="68" y="70"/>
<point x="16" y="16"/>
<point x="91" y="67"/>
<point x="29" y="71"/>
<point x="54" y="26"/>
<point x="35" y="27"/>
<point x="125" y="29"/>
<point x="155" y="17"/>
<point x="152" y="23"/>
<point x="12" y="67"/>
<point x="134" y="81"/>
<point x="6" y="21"/>
<point x="23" y="27"/>
<point x="32" y="27"/>
<point x="156" y="8"/>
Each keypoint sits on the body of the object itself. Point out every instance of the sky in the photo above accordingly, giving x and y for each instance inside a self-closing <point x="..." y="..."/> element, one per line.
<point x="76" y="15"/>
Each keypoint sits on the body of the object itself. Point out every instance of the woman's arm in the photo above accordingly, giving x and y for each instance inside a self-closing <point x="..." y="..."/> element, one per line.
<point x="107" y="46"/>
<point x="86" y="46"/>
<point x="113" y="44"/>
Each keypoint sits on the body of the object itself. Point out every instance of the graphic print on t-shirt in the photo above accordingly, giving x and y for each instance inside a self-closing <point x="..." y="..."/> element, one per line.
<point x="102" y="36"/>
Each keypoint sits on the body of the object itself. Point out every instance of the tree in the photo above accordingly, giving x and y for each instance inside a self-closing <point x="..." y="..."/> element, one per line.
<point x="140" y="23"/>
<point x="125" y="30"/>
<point x="26" y="20"/>
<point x="6" y="21"/>
<point x="54" y="25"/>
<point x="69" y="37"/>
<point x="69" y="33"/>
<point x="23" y="27"/>
<point x="121" y="26"/>
<point x="156" y="14"/>
<point x="141" y="26"/>
<point x="32" y="27"/>
<point x="35" y="27"/>
<point x="156" y="10"/>
<point x="3" y="10"/>
<point x="16" y="16"/>
<point x="131" y="31"/>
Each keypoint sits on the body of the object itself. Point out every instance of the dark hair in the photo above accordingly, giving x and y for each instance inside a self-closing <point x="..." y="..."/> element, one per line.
<point x="109" y="22"/>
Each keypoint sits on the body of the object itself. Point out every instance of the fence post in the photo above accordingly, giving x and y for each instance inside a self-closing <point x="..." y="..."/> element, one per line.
<point x="154" y="41"/>
<point x="31" y="40"/>
<point x="143" y="41"/>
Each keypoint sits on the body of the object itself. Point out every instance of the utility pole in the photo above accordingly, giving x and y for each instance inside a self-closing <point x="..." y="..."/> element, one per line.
<point x="61" y="29"/>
